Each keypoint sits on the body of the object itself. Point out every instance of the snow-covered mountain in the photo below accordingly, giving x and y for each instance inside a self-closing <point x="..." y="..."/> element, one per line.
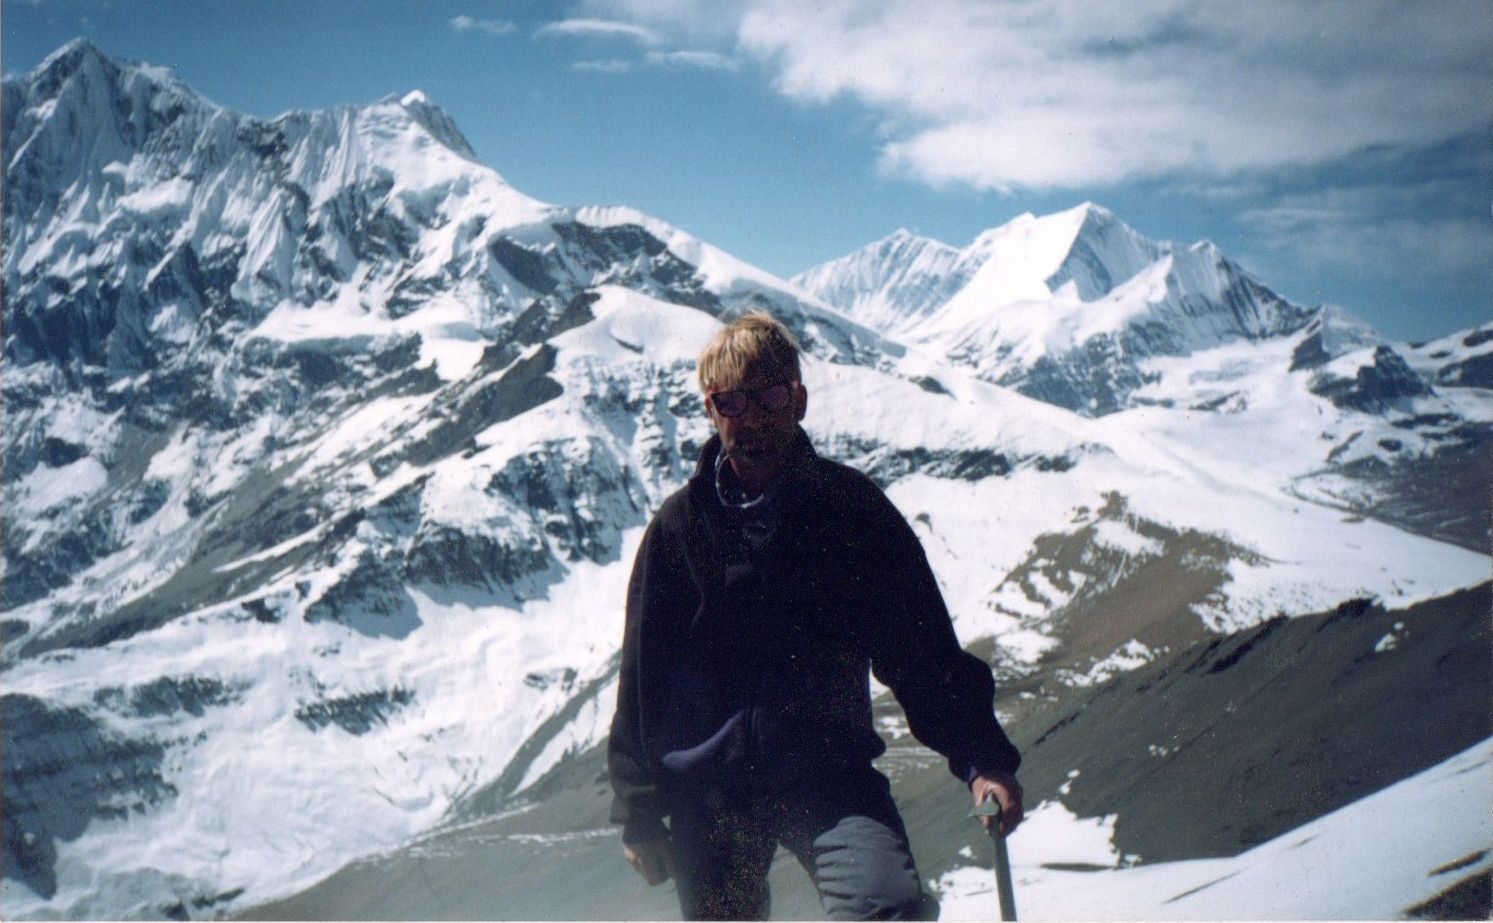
<point x="1079" y="310"/>
<point x="1063" y="308"/>
<point x="326" y="452"/>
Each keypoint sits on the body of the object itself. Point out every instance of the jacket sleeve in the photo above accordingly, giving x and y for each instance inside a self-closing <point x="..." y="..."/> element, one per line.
<point x="947" y="693"/>
<point x="657" y="592"/>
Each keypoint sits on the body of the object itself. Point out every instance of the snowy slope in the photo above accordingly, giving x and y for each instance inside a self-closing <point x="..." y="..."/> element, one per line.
<point x="891" y="284"/>
<point x="323" y="440"/>
<point x="1376" y="859"/>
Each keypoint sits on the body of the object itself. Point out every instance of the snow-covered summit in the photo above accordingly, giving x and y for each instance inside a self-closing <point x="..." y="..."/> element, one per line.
<point x="1060" y="306"/>
<point x="368" y="221"/>
<point x="1086" y="247"/>
<point x="436" y="121"/>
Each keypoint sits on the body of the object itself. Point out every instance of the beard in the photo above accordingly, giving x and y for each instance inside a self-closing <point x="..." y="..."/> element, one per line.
<point x="758" y="448"/>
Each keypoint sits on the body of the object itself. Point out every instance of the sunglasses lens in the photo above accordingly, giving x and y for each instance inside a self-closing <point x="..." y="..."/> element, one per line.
<point x="734" y="403"/>
<point x="729" y="403"/>
<point x="774" y="398"/>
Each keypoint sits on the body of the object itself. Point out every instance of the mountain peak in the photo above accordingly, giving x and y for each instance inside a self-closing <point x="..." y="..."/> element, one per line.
<point x="1103" y="253"/>
<point x="433" y="119"/>
<point x="71" y="55"/>
<point x="1090" y="219"/>
<point x="78" y="57"/>
<point x="93" y="76"/>
<point x="903" y="240"/>
<point x="1086" y="246"/>
<point x="1091" y="211"/>
<point x="901" y="236"/>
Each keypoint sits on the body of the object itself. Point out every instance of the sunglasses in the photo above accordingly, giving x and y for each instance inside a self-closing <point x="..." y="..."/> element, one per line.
<point x="734" y="403"/>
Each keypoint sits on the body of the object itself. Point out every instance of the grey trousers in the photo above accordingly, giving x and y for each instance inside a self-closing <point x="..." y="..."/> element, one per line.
<point x="843" y="828"/>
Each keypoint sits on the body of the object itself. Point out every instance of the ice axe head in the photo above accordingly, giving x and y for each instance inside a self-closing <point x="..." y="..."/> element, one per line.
<point x="992" y="810"/>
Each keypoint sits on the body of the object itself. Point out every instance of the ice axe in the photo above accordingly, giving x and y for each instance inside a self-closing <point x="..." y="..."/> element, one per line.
<point x="1003" y="887"/>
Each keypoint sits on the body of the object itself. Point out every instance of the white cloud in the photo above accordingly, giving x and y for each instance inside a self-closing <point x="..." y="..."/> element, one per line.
<point x="1374" y="229"/>
<point x="599" y="28"/>
<point x="490" y="26"/>
<point x="708" y="60"/>
<point x="611" y="66"/>
<point x="698" y="23"/>
<point x="1070" y="93"/>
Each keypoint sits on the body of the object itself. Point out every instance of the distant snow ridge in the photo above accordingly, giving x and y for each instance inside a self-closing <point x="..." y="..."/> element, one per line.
<point x="1062" y="308"/>
<point x="890" y="284"/>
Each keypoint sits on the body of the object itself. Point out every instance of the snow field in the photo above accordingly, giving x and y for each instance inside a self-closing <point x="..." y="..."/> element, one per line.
<point x="465" y="665"/>
<point x="1373" y="859"/>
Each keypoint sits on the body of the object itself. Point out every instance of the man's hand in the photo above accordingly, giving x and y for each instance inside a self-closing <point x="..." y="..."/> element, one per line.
<point x="1004" y="790"/>
<point x="653" y="859"/>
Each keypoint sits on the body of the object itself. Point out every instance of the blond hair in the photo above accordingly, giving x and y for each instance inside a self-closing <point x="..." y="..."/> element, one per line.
<point x="754" y="342"/>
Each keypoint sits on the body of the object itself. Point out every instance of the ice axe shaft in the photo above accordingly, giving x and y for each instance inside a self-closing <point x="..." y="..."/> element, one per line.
<point x="1003" y="887"/>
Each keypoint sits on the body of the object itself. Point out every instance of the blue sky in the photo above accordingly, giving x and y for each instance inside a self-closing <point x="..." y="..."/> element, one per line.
<point x="1342" y="150"/>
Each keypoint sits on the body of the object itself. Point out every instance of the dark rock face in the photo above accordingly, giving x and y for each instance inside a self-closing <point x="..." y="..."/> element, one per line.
<point x="1379" y="386"/>
<point x="1469" y="899"/>
<point x="885" y="465"/>
<point x="562" y="502"/>
<point x="1473" y="372"/>
<point x="1311" y="353"/>
<point x="1099" y="376"/>
<point x="522" y="387"/>
<point x="168" y="695"/>
<point x="1095" y="380"/>
<point x="61" y="770"/>
<point x="1107" y="372"/>
<point x="578" y="493"/>
<point x="560" y="273"/>
<point x="35" y="568"/>
<point x="1283" y="705"/>
<point x="1087" y="266"/>
<point x="1442" y="493"/>
<point x="30" y="577"/>
<point x="525" y="264"/>
<point x="355" y="714"/>
<point x="370" y="599"/>
<point x="446" y="556"/>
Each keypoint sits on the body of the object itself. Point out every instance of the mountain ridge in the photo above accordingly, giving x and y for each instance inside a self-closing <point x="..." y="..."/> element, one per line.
<point x="1040" y="304"/>
<point x="323" y="440"/>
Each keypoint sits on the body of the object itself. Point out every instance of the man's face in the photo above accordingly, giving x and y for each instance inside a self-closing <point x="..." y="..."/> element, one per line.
<point x="758" y="438"/>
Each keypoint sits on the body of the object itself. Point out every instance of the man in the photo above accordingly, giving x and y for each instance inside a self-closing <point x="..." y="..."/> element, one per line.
<point x="764" y="593"/>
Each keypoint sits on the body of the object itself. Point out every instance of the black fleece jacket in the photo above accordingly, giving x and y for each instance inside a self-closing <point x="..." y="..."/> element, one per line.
<point x="748" y="666"/>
